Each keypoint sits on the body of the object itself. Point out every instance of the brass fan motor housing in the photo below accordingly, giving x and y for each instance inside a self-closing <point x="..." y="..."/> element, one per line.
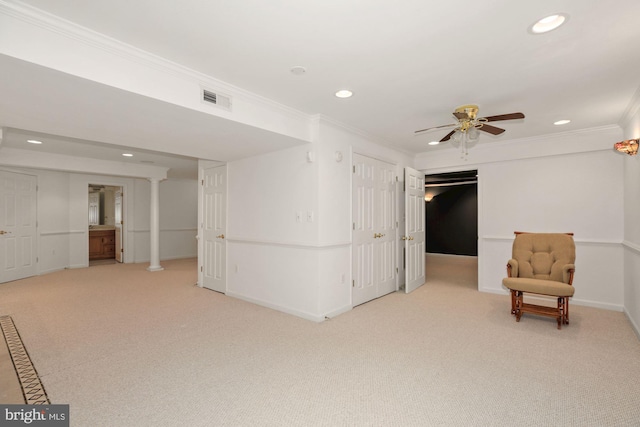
<point x="470" y="110"/>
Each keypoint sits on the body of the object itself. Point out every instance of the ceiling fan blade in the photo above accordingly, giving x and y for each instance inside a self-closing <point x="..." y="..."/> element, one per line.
<point x="511" y="116"/>
<point x="460" y="116"/>
<point x="447" y="136"/>
<point x="491" y="129"/>
<point x="436" y="127"/>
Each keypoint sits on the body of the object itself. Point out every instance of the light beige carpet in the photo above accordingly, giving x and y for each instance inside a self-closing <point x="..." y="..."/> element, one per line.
<point x="126" y="347"/>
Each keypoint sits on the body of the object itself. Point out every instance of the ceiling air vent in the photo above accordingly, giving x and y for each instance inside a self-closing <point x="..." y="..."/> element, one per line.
<point x="222" y="101"/>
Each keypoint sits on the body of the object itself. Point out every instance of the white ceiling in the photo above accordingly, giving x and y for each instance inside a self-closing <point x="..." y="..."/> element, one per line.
<point x="408" y="62"/>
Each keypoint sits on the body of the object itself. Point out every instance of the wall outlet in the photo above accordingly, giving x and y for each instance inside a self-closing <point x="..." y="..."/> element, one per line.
<point x="298" y="216"/>
<point x="309" y="216"/>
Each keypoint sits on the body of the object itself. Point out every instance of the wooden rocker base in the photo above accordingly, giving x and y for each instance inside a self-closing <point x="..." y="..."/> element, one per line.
<point x="560" y="313"/>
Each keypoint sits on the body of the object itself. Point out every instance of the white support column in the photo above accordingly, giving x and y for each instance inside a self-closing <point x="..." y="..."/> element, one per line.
<point x="154" y="226"/>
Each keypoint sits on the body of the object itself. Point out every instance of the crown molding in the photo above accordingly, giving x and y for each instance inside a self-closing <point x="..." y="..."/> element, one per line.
<point x="321" y="118"/>
<point x="94" y="39"/>
<point x="632" y="110"/>
<point x="531" y="139"/>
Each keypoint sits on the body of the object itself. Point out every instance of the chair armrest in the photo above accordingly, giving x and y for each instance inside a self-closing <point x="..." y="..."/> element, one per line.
<point x="567" y="273"/>
<point x="512" y="268"/>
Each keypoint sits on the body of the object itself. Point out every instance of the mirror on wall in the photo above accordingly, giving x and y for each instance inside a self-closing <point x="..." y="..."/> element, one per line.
<point x="102" y="205"/>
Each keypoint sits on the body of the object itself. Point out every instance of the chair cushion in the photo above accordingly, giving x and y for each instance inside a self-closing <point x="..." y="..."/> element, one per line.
<point x="539" y="286"/>
<point x="543" y="255"/>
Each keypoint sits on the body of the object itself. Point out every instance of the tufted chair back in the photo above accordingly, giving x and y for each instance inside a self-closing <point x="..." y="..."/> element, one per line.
<point x="543" y="255"/>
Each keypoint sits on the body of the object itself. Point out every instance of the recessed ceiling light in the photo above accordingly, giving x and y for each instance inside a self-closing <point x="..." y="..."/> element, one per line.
<point x="434" y="143"/>
<point x="561" y="122"/>
<point x="344" y="93"/>
<point x="127" y="154"/>
<point x="549" y="23"/>
<point x="34" y="141"/>
<point x="298" y="70"/>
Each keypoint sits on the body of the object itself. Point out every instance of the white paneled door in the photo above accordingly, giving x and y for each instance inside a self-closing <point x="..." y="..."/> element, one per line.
<point x="374" y="229"/>
<point x="214" y="228"/>
<point x="17" y="226"/>
<point x="414" y="237"/>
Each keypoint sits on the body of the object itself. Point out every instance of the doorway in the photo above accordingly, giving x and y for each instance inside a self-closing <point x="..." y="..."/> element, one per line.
<point x="105" y="224"/>
<point x="452" y="213"/>
<point x="451" y="201"/>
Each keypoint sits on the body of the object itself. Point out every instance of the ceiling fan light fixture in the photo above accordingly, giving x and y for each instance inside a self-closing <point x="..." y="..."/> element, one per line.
<point x="548" y="23"/>
<point x="473" y="133"/>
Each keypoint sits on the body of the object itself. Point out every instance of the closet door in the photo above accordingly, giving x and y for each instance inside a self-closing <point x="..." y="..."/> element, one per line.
<point x="374" y="229"/>
<point x="17" y="226"/>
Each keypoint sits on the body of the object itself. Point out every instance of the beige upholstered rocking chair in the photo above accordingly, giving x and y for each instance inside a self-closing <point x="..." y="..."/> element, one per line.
<point x="542" y="264"/>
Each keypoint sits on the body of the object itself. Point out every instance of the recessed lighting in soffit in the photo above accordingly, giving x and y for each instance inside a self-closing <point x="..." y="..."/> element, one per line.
<point x="344" y="93"/>
<point x="434" y="143"/>
<point x="549" y="23"/>
<point x="298" y="70"/>
<point x="34" y="141"/>
<point x="562" y="122"/>
<point x="127" y="155"/>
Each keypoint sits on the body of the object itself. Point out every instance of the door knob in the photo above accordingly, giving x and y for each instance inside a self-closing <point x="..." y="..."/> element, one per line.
<point x="220" y="236"/>
<point x="4" y="232"/>
<point x="404" y="238"/>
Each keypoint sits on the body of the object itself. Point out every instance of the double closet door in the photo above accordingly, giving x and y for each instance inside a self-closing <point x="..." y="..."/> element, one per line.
<point x="375" y="226"/>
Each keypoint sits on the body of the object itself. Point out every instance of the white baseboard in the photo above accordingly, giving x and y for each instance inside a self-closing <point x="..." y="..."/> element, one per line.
<point x="338" y="312"/>
<point x="634" y="325"/>
<point x="575" y="301"/>
<point x="294" y="312"/>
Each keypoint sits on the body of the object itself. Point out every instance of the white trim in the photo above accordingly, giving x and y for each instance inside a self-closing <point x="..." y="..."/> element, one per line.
<point x="632" y="246"/>
<point x="573" y="300"/>
<point x="289" y="244"/>
<point x="632" y="109"/>
<point x="61" y="233"/>
<point x="317" y="118"/>
<point x="298" y="313"/>
<point x="577" y="241"/>
<point x="53" y="23"/>
<point x="337" y="312"/>
<point x="634" y="325"/>
<point x="146" y="230"/>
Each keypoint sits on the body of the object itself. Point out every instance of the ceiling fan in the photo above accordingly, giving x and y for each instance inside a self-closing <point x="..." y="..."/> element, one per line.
<point x="468" y="125"/>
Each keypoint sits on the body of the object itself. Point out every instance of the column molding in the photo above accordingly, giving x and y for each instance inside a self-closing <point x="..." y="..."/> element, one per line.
<point x="154" y="227"/>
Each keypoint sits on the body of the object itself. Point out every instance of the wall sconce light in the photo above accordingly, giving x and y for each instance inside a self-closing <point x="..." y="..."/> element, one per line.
<point x="630" y="147"/>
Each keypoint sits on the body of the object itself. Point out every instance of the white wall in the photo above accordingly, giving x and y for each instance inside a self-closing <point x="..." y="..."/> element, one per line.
<point x="299" y="267"/>
<point x="569" y="191"/>
<point x="577" y="193"/>
<point x="178" y="219"/>
<point x="62" y="205"/>
<point x="632" y="220"/>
